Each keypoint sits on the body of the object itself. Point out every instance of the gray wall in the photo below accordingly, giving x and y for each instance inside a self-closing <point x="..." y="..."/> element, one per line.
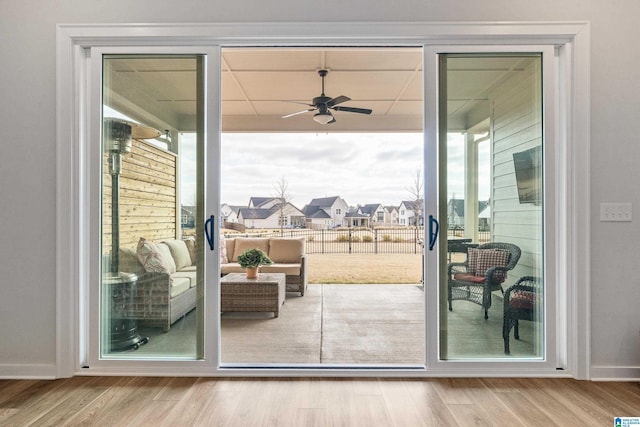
<point x="27" y="127"/>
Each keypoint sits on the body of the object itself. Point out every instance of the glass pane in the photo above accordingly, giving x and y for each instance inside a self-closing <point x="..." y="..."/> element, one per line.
<point x="337" y="206"/>
<point x="491" y="287"/>
<point x="152" y="168"/>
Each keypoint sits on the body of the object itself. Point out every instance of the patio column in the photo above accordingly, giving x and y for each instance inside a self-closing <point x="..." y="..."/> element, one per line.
<point x="471" y="187"/>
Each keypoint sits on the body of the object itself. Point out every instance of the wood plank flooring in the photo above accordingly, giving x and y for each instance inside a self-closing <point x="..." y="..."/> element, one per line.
<point x="145" y="401"/>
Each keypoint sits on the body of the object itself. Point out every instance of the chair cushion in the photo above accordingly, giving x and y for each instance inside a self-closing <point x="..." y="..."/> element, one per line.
<point x="231" y="267"/>
<point x="286" y="251"/>
<point x="242" y="245"/>
<point x="468" y="277"/>
<point x="523" y="300"/>
<point x="488" y="258"/>
<point x="287" y="269"/>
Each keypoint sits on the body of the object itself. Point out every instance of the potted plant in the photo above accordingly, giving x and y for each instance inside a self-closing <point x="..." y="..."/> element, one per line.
<point x="251" y="260"/>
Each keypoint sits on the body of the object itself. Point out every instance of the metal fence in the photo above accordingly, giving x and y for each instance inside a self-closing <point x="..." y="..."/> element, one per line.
<point x="359" y="240"/>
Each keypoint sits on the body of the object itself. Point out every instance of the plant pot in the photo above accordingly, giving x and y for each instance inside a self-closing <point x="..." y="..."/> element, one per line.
<point x="252" y="272"/>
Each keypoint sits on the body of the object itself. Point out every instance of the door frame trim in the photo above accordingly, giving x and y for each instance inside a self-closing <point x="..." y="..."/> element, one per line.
<point x="570" y="39"/>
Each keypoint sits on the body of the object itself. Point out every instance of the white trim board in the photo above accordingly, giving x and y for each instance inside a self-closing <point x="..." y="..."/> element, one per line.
<point x="570" y="38"/>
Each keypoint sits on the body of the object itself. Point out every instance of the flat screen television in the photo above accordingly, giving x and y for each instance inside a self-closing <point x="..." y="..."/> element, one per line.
<point x="528" y="166"/>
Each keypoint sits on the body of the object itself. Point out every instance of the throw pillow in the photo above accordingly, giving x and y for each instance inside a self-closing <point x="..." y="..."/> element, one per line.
<point x="129" y="261"/>
<point x="179" y="253"/>
<point x="244" y="244"/>
<point x="286" y="251"/>
<point x="156" y="258"/>
<point x="488" y="258"/>
<point x="472" y="260"/>
<point x="223" y="250"/>
<point x="190" y="243"/>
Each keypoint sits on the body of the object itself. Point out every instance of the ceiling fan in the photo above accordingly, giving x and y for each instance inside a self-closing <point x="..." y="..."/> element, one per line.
<point x="325" y="103"/>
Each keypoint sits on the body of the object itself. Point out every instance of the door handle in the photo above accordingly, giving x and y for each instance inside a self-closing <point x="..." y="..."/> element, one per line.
<point x="434" y="229"/>
<point x="209" y="230"/>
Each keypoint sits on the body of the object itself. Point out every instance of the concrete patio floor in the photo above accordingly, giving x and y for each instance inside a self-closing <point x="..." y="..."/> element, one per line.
<point x="344" y="325"/>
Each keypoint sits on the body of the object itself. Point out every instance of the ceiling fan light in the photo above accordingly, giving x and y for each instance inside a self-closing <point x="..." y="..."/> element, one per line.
<point x="323" y="118"/>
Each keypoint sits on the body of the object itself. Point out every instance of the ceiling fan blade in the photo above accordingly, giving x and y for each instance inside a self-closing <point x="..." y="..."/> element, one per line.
<point x="338" y="100"/>
<point x="298" y="112"/>
<point x="298" y="102"/>
<point x="354" y="110"/>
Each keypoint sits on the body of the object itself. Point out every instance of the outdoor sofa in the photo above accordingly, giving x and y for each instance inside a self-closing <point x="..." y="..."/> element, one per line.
<point x="166" y="287"/>
<point x="288" y="256"/>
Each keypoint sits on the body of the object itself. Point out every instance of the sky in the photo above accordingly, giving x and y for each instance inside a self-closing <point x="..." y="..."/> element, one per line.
<point x="360" y="168"/>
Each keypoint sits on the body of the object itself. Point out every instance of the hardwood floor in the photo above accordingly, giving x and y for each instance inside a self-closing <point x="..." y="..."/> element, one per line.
<point x="144" y="401"/>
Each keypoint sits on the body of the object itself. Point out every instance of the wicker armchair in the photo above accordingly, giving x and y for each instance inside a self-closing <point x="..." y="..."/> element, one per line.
<point x="466" y="284"/>
<point x="521" y="302"/>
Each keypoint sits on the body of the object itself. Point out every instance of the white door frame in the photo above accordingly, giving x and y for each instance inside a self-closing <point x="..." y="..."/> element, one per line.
<point x="571" y="41"/>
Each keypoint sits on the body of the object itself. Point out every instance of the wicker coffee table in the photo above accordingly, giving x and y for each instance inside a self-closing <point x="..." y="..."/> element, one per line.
<point x="266" y="293"/>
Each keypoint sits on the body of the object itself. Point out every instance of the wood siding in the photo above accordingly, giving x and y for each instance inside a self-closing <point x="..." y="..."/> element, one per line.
<point x="148" y="196"/>
<point x="516" y="126"/>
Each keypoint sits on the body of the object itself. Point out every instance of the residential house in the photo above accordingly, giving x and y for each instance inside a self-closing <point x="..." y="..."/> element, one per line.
<point x="355" y="218"/>
<point x="188" y="216"/>
<point x="455" y="212"/>
<point x="390" y="215"/>
<point x="411" y="213"/>
<point x="273" y="217"/>
<point x="230" y="213"/>
<point x="375" y="212"/>
<point x="326" y="212"/>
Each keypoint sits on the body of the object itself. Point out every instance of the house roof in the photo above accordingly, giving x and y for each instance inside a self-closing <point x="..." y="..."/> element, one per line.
<point x="315" y="211"/>
<point x="411" y="204"/>
<point x="458" y="206"/>
<point x="324" y="202"/>
<point x="255" y="213"/>
<point x="256" y="202"/>
<point x="356" y="215"/>
<point x="370" y="208"/>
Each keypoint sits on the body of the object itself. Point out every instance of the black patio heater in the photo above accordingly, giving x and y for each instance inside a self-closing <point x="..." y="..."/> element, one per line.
<point x="117" y="139"/>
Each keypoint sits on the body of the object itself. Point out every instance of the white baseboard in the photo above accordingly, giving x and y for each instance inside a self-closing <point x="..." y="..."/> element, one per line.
<point x="615" y="373"/>
<point x="28" y="372"/>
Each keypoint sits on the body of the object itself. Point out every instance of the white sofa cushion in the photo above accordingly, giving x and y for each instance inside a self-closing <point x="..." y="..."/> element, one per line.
<point x="186" y="275"/>
<point x="179" y="252"/>
<point x="179" y="285"/>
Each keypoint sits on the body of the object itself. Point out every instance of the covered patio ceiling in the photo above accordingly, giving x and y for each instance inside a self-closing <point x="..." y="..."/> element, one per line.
<point x="260" y="85"/>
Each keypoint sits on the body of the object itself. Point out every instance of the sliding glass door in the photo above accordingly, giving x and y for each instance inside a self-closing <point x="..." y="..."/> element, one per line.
<point x="486" y="297"/>
<point x="493" y="300"/>
<point x="151" y="290"/>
